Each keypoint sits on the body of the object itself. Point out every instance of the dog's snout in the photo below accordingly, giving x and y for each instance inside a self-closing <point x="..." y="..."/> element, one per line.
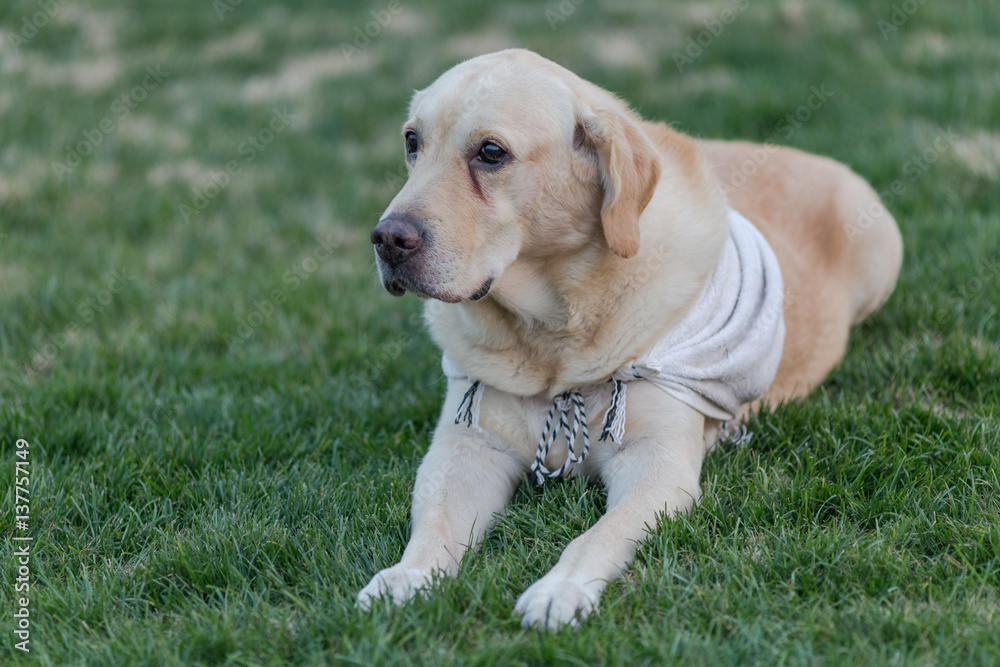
<point x="397" y="238"/>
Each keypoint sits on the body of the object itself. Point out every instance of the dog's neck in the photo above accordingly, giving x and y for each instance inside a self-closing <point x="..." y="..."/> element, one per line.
<point x="526" y="294"/>
<point x="542" y="332"/>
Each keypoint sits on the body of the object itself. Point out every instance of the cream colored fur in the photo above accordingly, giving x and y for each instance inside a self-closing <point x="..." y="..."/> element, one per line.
<point x="598" y="233"/>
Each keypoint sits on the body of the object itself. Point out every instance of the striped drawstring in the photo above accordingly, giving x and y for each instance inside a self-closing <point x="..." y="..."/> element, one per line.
<point x="468" y="409"/>
<point x="614" y="418"/>
<point x="571" y="401"/>
<point x="572" y="419"/>
<point x="734" y="432"/>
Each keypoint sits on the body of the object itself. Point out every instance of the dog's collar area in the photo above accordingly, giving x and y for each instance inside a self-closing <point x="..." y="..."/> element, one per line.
<point x="567" y="417"/>
<point x="572" y="403"/>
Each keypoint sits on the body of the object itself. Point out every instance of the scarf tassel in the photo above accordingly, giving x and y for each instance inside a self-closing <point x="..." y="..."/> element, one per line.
<point x="570" y="402"/>
<point x="468" y="409"/>
<point x="614" y="418"/>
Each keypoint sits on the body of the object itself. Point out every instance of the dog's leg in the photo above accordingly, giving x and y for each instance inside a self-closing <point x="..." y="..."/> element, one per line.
<point x="466" y="478"/>
<point x="656" y="471"/>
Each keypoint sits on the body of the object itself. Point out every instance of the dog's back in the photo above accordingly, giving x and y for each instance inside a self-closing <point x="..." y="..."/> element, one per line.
<point x="839" y="248"/>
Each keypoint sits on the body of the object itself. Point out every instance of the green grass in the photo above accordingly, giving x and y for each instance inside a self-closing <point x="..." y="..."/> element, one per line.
<point x="224" y="437"/>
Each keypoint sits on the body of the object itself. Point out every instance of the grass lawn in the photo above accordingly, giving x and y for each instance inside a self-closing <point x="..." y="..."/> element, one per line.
<point x="225" y="411"/>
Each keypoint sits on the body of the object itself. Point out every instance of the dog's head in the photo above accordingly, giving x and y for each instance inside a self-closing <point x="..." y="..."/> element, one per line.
<point x="511" y="158"/>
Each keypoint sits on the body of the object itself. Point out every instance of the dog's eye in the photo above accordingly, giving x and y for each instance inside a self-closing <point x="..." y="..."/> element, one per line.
<point x="490" y="153"/>
<point x="411" y="143"/>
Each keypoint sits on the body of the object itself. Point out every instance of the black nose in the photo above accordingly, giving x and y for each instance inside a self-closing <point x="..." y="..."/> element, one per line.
<point x="397" y="238"/>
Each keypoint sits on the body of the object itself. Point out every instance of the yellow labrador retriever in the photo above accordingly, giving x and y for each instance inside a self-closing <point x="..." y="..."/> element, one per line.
<point x="611" y="298"/>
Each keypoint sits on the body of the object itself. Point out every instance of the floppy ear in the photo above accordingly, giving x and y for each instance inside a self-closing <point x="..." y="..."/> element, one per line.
<point x="629" y="170"/>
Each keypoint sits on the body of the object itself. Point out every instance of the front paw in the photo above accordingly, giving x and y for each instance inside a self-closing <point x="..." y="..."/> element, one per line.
<point x="398" y="583"/>
<point x="552" y="602"/>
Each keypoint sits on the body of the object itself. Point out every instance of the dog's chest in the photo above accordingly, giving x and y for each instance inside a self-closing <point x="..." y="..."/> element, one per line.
<point x="542" y="417"/>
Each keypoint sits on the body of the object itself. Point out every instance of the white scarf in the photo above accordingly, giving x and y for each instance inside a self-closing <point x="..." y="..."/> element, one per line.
<point x="723" y="354"/>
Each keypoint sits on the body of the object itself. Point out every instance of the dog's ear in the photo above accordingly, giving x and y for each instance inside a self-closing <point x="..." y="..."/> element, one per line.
<point x="628" y="167"/>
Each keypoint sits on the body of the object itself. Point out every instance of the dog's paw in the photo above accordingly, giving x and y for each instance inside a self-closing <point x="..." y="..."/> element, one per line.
<point x="398" y="583"/>
<point x="552" y="602"/>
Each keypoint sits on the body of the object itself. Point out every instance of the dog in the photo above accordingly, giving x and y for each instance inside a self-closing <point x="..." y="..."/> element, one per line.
<point x="574" y="256"/>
